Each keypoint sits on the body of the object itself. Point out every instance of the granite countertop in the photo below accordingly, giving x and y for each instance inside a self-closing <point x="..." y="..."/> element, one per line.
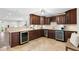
<point x="28" y="29"/>
<point x="24" y="30"/>
<point x="34" y="29"/>
<point x="64" y="29"/>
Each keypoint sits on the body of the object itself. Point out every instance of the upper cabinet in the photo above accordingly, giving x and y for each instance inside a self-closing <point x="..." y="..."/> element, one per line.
<point x="53" y="19"/>
<point x="71" y="16"/>
<point x="46" y="21"/>
<point x="38" y="20"/>
<point x="34" y="19"/>
<point x="60" y="19"/>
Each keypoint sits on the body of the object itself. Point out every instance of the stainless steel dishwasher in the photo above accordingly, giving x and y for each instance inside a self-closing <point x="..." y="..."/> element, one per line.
<point x="59" y="35"/>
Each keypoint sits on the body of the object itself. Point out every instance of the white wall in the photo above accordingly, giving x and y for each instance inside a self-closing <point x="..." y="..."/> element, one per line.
<point x="78" y="20"/>
<point x="27" y="20"/>
<point x="4" y="39"/>
<point x="3" y="24"/>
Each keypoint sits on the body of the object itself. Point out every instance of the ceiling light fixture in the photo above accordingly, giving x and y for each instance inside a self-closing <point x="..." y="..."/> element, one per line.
<point x="42" y="12"/>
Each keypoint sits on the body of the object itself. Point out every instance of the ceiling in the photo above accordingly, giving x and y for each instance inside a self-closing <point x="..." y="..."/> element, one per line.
<point x="22" y="13"/>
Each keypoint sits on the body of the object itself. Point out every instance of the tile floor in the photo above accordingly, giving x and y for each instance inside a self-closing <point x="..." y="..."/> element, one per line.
<point x="41" y="44"/>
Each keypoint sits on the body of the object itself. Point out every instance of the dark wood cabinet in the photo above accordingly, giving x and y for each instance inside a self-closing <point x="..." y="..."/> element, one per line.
<point x="35" y="34"/>
<point x="31" y="35"/>
<point x="67" y="34"/>
<point x="53" y="19"/>
<point x="34" y="19"/>
<point x="51" y="34"/>
<point x="68" y="20"/>
<point x="46" y="21"/>
<point x="39" y="20"/>
<point x="71" y="17"/>
<point x="60" y="19"/>
<point x="14" y="39"/>
<point x="41" y="33"/>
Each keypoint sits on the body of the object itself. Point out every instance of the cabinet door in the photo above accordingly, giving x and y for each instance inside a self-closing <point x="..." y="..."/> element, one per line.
<point x="57" y="19"/>
<point x="60" y="19"/>
<point x="46" y="21"/>
<point x="31" y="35"/>
<point x="15" y="39"/>
<point x="51" y="34"/>
<point x="34" y="19"/>
<point x="42" y="33"/>
<point x="39" y="33"/>
<point x="67" y="34"/>
<point x="68" y="20"/>
<point x="71" y="17"/>
<point x="53" y="19"/>
<point x="37" y="20"/>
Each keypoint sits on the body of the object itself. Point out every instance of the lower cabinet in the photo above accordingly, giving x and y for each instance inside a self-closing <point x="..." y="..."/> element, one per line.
<point x="51" y="34"/>
<point x="35" y="34"/>
<point x="40" y="33"/>
<point x="67" y="34"/>
<point x="14" y="39"/>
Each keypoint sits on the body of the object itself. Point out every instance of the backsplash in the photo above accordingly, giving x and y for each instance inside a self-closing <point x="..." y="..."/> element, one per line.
<point x="54" y="26"/>
<point x="71" y="27"/>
